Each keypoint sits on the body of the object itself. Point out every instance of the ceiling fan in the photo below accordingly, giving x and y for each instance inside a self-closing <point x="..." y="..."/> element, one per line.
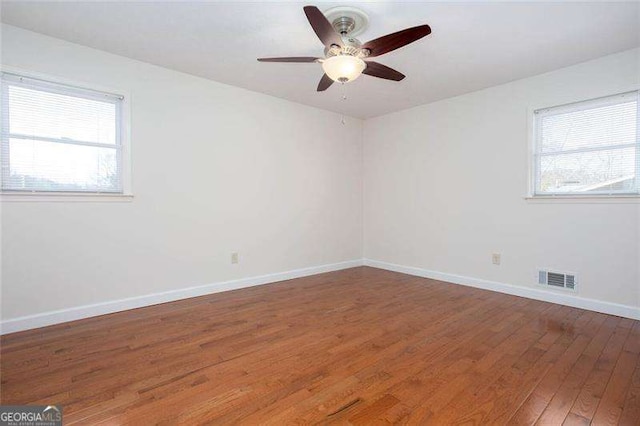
<point x="345" y="56"/>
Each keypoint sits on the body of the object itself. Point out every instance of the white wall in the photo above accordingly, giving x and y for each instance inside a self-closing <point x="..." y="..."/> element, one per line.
<point x="445" y="186"/>
<point x="216" y="169"/>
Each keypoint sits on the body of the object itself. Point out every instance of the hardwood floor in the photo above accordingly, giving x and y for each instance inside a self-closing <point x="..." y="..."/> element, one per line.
<point x="359" y="346"/>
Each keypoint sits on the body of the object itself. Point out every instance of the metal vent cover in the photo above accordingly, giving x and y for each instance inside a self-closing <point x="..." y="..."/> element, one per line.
<point x="556" y="279"/>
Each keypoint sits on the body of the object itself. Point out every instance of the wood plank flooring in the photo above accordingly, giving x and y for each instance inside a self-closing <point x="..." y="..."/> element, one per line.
<point x="360" y="346"/>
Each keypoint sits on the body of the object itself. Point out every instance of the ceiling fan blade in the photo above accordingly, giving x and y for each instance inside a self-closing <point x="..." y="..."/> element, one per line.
<point x="323" y="28"/>
<point x="290" y="59"/>
<point x="394" y="41"/>
<point x="324" y="84"/>
<point x="376" y="69"/>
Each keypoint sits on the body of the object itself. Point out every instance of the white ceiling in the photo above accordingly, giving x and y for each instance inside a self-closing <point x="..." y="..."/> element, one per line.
<point x="473" y="45"/>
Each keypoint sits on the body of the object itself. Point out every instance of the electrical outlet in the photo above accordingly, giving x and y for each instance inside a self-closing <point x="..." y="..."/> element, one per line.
<point x="234" y="258"/>
<point x="495" y="258"/>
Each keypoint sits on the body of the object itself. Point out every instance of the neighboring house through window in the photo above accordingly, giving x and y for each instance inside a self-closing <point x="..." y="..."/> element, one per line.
<point x="588" y="148"/>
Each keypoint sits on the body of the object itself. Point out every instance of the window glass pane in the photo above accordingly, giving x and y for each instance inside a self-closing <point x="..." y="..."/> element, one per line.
<point x="589" y="147"/>
<point x="50" y="166"/>
<point x="39" y="113"/>
<point x="588" y="172"/>
<point x="593" y="127"/>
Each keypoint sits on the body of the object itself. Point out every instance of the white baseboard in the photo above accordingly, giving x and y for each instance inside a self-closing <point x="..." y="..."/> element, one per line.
<point x="530" y="293"/>
<point x="86" y="311"/>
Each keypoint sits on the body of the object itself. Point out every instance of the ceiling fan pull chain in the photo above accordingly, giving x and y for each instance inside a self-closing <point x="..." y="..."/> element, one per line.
<point x="344" y="98"/>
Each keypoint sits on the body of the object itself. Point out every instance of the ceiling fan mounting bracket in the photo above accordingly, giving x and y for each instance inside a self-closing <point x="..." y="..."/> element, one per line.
<point x="347" y="21"/>
<point x="344" y="25"/>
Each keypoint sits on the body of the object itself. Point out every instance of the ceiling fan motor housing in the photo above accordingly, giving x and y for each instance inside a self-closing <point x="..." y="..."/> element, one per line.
<point x="350" y="46"/>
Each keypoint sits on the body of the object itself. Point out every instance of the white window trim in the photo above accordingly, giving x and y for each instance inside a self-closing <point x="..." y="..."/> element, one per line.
<point x="530" y="195"/>
<point x="125" y="134"/>
<point x="583" y="199"/>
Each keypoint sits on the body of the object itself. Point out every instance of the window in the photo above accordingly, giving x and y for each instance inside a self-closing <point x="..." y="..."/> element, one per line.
<point x="58" y="138"/>
<point x="588" y="148"/>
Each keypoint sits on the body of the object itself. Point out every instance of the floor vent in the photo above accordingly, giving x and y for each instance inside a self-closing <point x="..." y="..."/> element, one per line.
<point x="557" y="279"/>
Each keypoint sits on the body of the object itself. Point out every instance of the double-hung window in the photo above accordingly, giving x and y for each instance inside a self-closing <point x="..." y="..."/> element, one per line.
<point x="60" y="138"/>
<point x="588" y="148"/>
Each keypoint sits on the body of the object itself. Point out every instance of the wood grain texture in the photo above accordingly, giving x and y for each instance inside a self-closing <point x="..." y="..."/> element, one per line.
<point x="359" y="346"/>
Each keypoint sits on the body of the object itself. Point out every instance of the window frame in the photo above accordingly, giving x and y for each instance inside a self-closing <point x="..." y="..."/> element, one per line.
<point x="533" y="155"/>
<point x="124" y="163"/>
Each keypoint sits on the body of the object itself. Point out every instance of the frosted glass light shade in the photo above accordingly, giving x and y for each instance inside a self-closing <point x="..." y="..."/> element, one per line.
<point x="343" y="68"/>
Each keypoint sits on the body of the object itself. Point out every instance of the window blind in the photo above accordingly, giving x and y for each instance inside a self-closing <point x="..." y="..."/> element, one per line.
<point x="59" y="138"/>
<point x="588" y="148"/>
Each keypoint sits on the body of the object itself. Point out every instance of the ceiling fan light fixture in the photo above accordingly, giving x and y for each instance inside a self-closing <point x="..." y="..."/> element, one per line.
<point x="343" y="68"/>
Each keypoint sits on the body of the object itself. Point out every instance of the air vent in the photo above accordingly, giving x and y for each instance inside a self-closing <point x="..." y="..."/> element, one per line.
<point x="557" y="279"/>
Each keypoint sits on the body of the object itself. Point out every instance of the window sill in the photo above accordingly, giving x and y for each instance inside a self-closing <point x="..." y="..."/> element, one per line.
<point x="584" y="199"/>
<point x="64" y="197"/>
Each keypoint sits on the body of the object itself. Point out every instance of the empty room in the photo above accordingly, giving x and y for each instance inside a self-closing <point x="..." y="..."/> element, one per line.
<point x="355" y="213"/>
